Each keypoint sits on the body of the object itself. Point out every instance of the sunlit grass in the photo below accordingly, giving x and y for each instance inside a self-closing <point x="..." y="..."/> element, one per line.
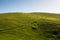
<point x="29" y="26"/>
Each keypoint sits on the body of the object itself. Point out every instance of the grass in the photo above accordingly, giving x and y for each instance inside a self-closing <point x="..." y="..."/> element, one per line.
<point x="29" y="26"/>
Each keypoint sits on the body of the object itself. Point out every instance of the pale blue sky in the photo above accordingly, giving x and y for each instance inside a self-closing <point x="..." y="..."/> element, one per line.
<point x="29" y="5"/>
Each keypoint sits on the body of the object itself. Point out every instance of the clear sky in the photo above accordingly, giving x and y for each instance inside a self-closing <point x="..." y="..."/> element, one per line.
<point x="29" y="5"/>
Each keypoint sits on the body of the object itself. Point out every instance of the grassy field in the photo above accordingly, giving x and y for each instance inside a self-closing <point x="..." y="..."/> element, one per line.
<point x="29" y="26"/>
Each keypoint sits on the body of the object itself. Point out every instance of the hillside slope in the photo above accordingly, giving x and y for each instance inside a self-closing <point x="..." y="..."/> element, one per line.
<point x="29" y="26"/>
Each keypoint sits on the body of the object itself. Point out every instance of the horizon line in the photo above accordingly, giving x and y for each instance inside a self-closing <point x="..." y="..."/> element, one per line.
<point x="31" y="12"/>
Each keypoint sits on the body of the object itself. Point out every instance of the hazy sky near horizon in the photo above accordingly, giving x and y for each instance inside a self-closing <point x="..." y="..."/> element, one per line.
<point x="29" y="5"/>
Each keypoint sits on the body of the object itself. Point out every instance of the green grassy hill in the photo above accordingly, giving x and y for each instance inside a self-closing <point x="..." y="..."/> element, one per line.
<point x="29" y="26"/>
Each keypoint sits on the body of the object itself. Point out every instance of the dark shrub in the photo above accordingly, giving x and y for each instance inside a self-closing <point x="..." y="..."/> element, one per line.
<point x="33" y="28"/>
